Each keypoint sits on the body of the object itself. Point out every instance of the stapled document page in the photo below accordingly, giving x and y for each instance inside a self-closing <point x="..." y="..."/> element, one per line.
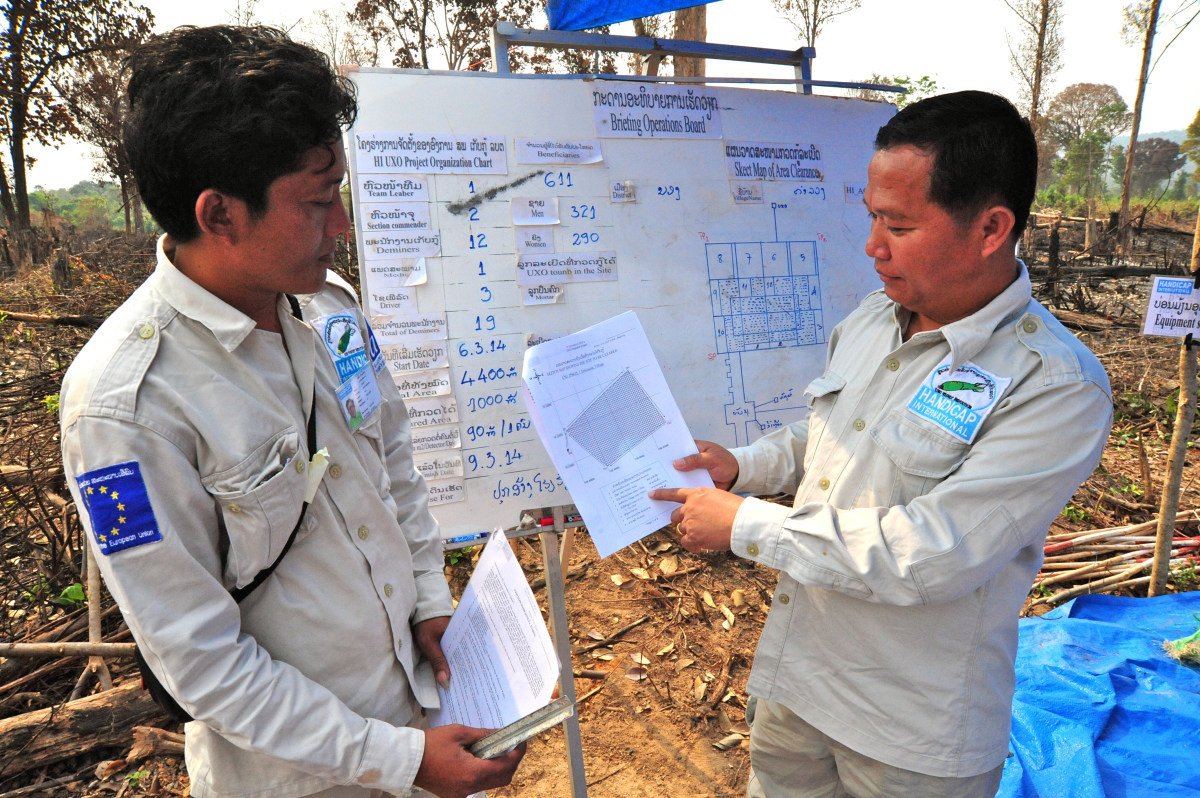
<point x="600" y="404"/>
<point x="502" y="661"/>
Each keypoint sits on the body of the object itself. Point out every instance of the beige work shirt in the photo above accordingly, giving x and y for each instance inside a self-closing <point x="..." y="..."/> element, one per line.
<point x="917" y="530"/>
<point x="310" y="682"/>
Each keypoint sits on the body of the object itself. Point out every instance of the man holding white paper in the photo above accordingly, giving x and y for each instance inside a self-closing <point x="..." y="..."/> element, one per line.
<point x="954" y="419"/>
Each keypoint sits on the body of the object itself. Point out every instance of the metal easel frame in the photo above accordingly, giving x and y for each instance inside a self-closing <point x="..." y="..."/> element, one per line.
<point x="506" y="35"/>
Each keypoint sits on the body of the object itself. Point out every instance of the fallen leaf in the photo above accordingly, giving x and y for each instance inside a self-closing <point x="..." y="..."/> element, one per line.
<point x="683" y="663"/>
<point x="699" y="688"/>
<point x="739" y="597"/>
<point x="741" y="727"/>
<point x="595" y="635"/>
<point x="729" y="616"/>
<point x="669" y="564"/>
<point x="662" y="546"/>
<point x="639" y="658"/>
<point x="708" y="599"/>
<point x="618" y="579"/>
<point x="640" y="573"/>
<point x="729" y="742"/>
<point x="726" y="625"/>
<point x="723" y="721"/>
<point x="603" y="653"/>
<point x="106" y="769"/>
<point x="636" y="674"/>
<point x="665" y="650"/>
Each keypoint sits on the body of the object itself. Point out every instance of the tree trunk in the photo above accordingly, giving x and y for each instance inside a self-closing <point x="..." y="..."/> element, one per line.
<point x="139" y="216"/>
<point x="37" y="739"/>
<point x="16" y="149"/>
<point x="691" y="24"/>
<point x="126" y="199"/>
<point x="6" y="199"/>
<point x="60" y="272"/>
<point x="1147" y="47"/>
<point x="1035" y="100"/>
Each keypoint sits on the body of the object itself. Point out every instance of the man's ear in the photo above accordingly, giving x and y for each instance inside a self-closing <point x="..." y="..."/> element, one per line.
<point x="996" y="224"/>
<point x="217" y="214"/>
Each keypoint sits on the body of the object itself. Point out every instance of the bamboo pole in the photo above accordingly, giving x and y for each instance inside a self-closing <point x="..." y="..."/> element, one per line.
<point x="1175" y="462"/>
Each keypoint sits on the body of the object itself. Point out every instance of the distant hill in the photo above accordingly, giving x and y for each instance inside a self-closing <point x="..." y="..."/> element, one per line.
<point x="1171" y="135"/>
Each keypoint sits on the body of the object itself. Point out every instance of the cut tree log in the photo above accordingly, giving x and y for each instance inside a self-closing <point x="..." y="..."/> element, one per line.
<point x="36" y="739"/>
<point x="90" y="322"/>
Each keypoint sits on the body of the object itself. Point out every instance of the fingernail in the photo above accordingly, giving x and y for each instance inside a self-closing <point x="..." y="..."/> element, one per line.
<point x="444" y="683"/>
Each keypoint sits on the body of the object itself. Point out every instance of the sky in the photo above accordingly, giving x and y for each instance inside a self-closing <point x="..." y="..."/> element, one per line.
<point x="961" y="44"/>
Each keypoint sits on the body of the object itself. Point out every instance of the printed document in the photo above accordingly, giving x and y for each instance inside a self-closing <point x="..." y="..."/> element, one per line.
<point x="602" y="408"/>
<point x="502" y="662"/>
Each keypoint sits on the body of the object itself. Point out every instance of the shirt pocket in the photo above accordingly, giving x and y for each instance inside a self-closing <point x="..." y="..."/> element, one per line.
<point x="922" y="456"/>
<point x="369" y="439"/>
<point x="260" y="500"/>
<point x="823" y="393"/>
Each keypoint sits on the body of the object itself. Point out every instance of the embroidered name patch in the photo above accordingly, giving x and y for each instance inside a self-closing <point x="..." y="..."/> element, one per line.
<point x="119" y="507"/>
<point x="958" y="401"/>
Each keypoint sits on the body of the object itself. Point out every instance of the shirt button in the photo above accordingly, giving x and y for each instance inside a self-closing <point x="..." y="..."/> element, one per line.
<point x="860" y="425"/>
<point x="235" y="508"/>
<point x="823" y="484"/>
<point x="387" y="591"/>
<point x="783" y="599"/>
<point x="147" y="331"/>
<point x="752" y="550"/>
<point x="893" y="364"/>
<point x="299" y="466"/>
<point x="363" y="533"/>
<point x="1030" y="326"/>
<point x="335" y="471"/>
<point x="399" y="643"/>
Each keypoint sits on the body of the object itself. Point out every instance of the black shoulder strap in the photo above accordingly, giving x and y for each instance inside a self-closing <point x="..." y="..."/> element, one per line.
<point x="240" y="593"/>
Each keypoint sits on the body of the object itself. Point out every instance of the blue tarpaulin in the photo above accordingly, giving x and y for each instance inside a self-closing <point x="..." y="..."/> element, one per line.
<point x="1100" y="710"/>
<point x="580" y="14"/>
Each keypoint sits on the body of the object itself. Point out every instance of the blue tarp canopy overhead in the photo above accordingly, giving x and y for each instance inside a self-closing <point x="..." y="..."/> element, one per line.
<point x="580" y="14"/>
<point x="1100" y="710"/>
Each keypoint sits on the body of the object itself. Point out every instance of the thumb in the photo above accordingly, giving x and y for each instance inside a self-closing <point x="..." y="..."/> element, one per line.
<point x="437" y="659"/>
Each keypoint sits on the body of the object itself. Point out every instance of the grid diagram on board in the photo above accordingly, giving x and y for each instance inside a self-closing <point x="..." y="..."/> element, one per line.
<point x="597" y="429"/>
<point x="764" y="295"/>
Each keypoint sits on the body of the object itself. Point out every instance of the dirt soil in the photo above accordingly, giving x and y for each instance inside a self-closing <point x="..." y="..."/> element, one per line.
<point x="655" y="700"/>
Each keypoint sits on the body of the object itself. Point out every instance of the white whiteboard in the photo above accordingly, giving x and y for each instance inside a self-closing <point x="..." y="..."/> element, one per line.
<point x="737" y="298"/>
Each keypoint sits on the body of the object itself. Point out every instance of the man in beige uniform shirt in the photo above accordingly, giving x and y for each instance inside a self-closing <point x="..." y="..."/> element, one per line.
<point x="235" y="412"/>
<point x="954" y="419"/>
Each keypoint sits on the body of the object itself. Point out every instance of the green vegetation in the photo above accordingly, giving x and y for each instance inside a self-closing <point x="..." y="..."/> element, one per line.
<point x="1075" y="514"/>
<point x="89" y="206"/>
<point x="72" y="597"/>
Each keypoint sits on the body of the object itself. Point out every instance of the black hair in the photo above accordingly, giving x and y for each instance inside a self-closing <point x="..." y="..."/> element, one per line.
<point x="983" y="151"/>
<point x="226" y="108"/>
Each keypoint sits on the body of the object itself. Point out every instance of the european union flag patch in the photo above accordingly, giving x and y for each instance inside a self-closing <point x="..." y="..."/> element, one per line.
<point x="119" y="506"/>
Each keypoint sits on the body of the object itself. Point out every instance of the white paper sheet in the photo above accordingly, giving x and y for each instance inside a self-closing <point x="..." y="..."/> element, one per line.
<point x="602" y="408"/>
<point x="502" y="661"/>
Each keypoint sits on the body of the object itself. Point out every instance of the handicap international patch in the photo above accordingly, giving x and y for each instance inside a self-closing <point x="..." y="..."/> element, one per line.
<point x="119" y="507"/>
<point x="958" y="401"/>
<point x="344" y="342"/>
